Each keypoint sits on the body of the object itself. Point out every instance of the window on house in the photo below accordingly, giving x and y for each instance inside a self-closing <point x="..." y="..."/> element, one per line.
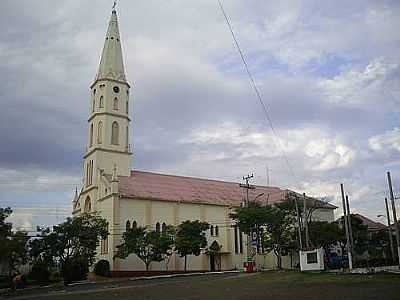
<point x="312" y="258"/>
<point x="91" y="135"/>
<point x="114" y="133"/>
<point x="89" y="173"/>
<point x="127" y="138"/>
<point x="104" y="246"/>
<point x="127" y="225"/>
<point x="212" y="230"/>
<point x="235" y="235"/>
<point x="158" y="227"/>
<point x="100" y="132"/>
<point x="216" y="230"/>
<point x="88" y="205"/>
<point x="115" y="103"/>
<point x="101" y="102"/>
<point x="240" y="241"/>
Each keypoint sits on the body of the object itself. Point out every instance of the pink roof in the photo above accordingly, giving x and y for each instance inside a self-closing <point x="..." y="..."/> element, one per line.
<point x="372" y="225"/>
<point x="146" y="185"/>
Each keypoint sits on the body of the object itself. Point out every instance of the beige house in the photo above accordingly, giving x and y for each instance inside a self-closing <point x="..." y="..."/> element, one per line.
<point x="135" y="198"/>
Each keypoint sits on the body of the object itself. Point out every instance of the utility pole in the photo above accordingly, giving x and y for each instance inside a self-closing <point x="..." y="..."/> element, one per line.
<point x="305" y="215"/>
<point x="396" y="224"/>
<point x="248" y="187"/>
<point x="389" y="230"/>
<point x="348" y="213"/>
<point x="346" y="225"/>
<point x="298" y="223"/>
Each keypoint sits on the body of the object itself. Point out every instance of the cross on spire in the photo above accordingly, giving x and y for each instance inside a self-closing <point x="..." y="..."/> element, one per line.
<point x="114" y="5"/>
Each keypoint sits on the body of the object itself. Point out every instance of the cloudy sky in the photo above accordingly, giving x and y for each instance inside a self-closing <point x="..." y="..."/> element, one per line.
<point x="329" y="73"/>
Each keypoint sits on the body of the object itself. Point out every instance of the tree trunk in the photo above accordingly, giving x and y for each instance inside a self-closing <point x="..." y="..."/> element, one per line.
<point x="278" y="258"/>
<point x="147" y="265"/>
<point x="185" y="262"/>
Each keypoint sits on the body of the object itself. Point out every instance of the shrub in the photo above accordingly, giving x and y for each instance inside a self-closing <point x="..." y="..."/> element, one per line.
<point x="102" y="268"/>
<point x="75" y="270"/>
<point x="40" y="272"/>
<point x="5" y="282"/>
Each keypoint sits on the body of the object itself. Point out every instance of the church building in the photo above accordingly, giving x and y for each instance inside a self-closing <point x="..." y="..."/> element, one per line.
<point x="127" y="198"/>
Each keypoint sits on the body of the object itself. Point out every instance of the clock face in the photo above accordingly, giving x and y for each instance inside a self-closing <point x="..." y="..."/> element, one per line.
<point x="116" y="89"/>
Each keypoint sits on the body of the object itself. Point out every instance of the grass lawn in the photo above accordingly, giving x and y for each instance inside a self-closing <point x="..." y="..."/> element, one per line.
<point x="285" y="277"/>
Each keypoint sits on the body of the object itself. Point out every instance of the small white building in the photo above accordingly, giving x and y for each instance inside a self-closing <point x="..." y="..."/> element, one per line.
<point x="312" y="260"/>
<point x="128" y="198"/>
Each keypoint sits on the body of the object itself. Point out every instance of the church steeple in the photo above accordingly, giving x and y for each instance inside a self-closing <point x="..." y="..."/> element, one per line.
<point x="108" y="136"/>
<point x="111" y="63"/>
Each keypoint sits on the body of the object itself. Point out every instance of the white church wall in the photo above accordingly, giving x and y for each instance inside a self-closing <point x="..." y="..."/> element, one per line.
<point x="104" y="208"/>
<point x="133" y="210"/>
<point x="323" y="215"/>
<point x="162" y="212"/>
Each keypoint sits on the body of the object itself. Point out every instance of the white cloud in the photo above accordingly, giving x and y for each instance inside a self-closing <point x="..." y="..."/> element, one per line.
<point x="330" y="153"/>
<point x="390" y="140"/>
<point x="36" y="180"/>
<point x="361" y="87"/>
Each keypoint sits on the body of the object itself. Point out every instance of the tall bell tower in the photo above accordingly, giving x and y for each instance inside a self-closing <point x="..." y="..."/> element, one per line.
<point x="108" y="148"/>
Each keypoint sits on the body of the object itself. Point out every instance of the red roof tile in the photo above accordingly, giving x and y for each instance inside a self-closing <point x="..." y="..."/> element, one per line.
<point x="146" y="185"/>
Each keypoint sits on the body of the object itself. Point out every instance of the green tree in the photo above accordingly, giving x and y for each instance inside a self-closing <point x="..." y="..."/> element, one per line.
<point x="252" y="216"/>
<point x="191" y="238"/>
<point x="13" y="246"/>
<point x="278" y="222"/>
<point x="324" y="234"/>
<point x="280" y="233"/>
<point x="71" y="244"/>
<point x="360" y="234"/>
<point x="148" y="245"/>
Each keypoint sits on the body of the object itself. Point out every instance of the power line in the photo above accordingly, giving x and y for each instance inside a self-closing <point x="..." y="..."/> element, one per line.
<point x="258" y="94"/>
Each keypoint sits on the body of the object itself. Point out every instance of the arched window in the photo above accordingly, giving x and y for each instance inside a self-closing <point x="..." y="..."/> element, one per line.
<point x="158" y="227"/>
<point x="101" y="102"/>
<point x="91" y="135"/>
<point x="212" y="230"/>
<point x="114" y="133"/>
<point x="127" y="137"/>
<point x="164" y="228"/>
<point x="88" y="205"/>
<point x="93" y="104"/>
<point x="134" y="224"/>
<point x="128" y="225"/>
<point x="216" y="230"/>
<point x="100" y="133"/>
<point x="115" y="103"/>
<point x="127" y="107"/>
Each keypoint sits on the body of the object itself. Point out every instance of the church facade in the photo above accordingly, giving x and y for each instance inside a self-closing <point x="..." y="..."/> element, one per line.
<point x="127" y="198"/>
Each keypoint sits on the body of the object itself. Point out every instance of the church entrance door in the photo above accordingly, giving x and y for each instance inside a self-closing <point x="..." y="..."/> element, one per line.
<point x="212" y="262"/>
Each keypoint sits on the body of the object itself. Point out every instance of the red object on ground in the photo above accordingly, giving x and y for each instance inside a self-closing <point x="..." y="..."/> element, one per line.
<point x="248" y="266"/>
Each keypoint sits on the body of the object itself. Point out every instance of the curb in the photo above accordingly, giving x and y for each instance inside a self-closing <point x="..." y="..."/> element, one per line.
<point x="180" y="275"/>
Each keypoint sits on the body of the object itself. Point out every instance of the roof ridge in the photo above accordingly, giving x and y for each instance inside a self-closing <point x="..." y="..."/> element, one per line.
<point x="203" y="179"/>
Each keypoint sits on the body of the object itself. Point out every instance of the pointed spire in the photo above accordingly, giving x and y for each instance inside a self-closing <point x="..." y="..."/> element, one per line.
<point x="111" y="63"/>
